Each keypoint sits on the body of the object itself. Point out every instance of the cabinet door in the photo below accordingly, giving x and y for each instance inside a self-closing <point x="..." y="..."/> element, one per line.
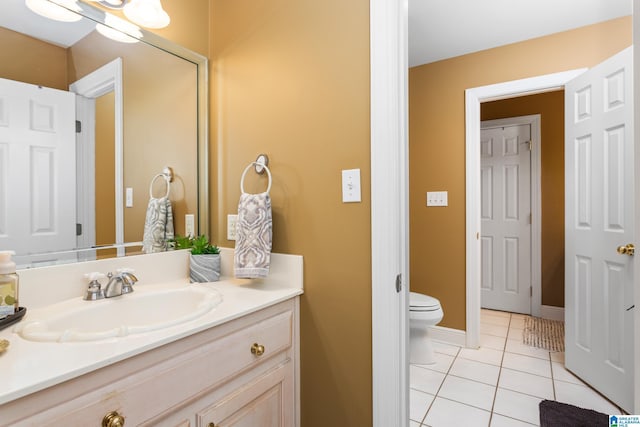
<point x="267" y="401"/>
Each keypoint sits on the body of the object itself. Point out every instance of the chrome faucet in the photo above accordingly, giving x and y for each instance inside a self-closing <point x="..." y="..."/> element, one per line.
<point x="123" y="276"/>
<point x="126" y="279"/>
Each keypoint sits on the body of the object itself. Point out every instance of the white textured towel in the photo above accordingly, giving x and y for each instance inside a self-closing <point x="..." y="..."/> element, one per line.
<point x="253" y="236"/>
<point x="158" y="225"/>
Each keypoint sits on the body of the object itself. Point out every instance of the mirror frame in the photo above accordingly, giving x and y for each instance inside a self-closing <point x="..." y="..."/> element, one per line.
<point x="202" y="72"/>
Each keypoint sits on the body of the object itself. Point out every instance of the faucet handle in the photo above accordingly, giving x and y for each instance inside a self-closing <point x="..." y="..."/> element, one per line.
<point x="94" y="276"/>
<point x="94" y="291"/>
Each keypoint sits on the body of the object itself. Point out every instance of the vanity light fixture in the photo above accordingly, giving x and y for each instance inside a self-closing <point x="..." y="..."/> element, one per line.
<point x="146" y="13"/>
<point x="59" y="11"/>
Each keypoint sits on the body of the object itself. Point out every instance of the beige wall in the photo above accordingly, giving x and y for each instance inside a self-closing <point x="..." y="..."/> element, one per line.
<point x="29" y="60"/>
<point x="550" y="106"/>
<point x="436" y="143"/>
<point x="290" y="78"/>
<point x="105" y="171"/>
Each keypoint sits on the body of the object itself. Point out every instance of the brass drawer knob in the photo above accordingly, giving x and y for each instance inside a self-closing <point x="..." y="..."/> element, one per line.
<point x="211" y="425"/>
<point x="257" y="349"/>
<point x="113" y="419"/>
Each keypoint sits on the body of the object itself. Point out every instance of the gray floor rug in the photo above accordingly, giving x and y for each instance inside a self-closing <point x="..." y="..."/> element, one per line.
<point x="557" y="414"/>
<point x="543" y="333"/>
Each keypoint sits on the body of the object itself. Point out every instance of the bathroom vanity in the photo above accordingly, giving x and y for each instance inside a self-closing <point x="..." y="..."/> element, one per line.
<point x="237" y="364"/>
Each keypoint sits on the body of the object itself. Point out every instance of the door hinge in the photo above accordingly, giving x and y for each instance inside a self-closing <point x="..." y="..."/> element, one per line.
<point x="398" y="283"/>
<point x="530" y="218"/>
<point x="78" y="126"/>
<point x="531" y="291"/>
<point x="78" y="229"/>
<point x="530" y="145"/>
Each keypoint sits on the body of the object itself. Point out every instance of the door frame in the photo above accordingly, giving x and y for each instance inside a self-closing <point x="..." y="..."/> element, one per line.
<point x="389" y="211"/>
<point x="533" y="120"/>
<point x="473" y="98"/>
<point x="636" y="261"/>
<point x="105" y="79"/>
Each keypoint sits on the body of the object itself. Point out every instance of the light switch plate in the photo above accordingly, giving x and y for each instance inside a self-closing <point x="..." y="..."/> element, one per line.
<point x="129" y="197"/>
<point x="351" y="186"/>
<point x="437" y="198"/>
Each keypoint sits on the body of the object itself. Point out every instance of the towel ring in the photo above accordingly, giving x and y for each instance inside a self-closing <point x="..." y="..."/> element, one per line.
<point x="265" y="168"/>
<point x="166" y="180"/>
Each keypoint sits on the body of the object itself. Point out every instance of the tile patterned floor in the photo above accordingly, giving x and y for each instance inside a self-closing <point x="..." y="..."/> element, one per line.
<point x="498" y="385"/>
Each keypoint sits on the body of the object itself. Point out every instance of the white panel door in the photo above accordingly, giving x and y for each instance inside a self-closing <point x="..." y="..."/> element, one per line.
<point x="37" y="171"/>
<point x="506" y="218"/>
<point x="599" y="218"/>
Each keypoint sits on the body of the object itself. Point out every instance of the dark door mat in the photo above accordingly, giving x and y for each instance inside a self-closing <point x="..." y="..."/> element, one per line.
<point x="557" y="414"/>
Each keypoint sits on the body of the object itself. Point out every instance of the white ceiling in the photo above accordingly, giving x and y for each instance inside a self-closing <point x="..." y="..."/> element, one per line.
<point x="15" y="16"/>
<point x="440" y="29"/>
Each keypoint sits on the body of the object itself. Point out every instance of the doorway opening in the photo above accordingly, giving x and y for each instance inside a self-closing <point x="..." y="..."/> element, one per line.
<point x="473" y="98"/>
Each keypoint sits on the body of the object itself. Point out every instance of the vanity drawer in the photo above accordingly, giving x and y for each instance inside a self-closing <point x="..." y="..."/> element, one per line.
<point x="246" y="347"/>
<point x="213" y="365"/>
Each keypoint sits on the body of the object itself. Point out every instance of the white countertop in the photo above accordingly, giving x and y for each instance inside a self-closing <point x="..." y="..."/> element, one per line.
<point x="28" y="366"/>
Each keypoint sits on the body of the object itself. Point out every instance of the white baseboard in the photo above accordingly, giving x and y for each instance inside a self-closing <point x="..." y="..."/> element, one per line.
<point x="552" y="313"/>
<point x="448" y="335"/>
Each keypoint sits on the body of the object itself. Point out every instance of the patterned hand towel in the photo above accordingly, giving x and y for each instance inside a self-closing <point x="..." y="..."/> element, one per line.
<point x="158" y="225"/>
<point x="253" y="236"/>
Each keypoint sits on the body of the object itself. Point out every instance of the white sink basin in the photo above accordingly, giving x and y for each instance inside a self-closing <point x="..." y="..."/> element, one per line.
<point x="135" y="313"/>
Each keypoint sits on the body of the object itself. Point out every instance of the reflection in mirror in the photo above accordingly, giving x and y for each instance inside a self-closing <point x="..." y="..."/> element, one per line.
<point x="140" y="107"/>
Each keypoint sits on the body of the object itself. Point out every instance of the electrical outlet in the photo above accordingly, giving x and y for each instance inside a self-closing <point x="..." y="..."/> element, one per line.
<point x="232" y="219"/>
<point x="189" y="225"/>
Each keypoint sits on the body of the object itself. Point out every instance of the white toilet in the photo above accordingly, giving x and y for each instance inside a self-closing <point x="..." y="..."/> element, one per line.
<point x="424" y="312"/>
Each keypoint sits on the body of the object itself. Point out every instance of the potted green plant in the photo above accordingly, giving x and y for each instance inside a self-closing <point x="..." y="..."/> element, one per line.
<point x="204" y="262"/>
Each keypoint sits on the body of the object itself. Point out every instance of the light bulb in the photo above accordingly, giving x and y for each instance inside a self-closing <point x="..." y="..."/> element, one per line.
<point x="147" y="13"/>
<point x="116" y="3"/>
<point x="54" y="11"/>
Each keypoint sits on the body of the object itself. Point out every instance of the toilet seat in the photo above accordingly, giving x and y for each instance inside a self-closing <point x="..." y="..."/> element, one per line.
<point x="421" y="302"/>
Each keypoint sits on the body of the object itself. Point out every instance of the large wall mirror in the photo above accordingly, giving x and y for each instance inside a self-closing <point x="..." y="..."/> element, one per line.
<point x="89" y="116"/>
